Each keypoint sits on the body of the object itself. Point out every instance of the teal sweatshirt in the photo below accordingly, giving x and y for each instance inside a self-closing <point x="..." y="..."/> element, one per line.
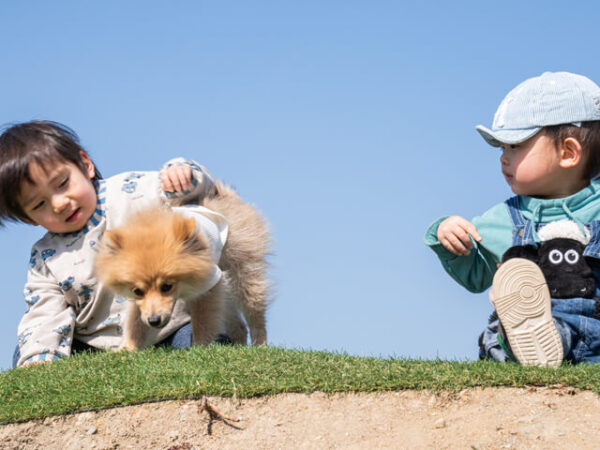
<point x="476" y="270"/>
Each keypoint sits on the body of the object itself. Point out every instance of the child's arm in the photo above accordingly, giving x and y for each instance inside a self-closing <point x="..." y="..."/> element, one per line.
<point x="184" y="182"/>
<point x="46" y="329"/>
<point x="470" y="250"/>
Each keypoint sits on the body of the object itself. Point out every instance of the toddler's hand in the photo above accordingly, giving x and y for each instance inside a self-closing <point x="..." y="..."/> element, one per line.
<point x="453" y="233"/>
<point x="176" y="178"/>
<point x="33" y="363"/>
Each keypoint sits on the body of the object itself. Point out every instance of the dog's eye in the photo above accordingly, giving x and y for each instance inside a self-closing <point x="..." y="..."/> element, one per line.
<point x="137" y="292"/>
<point x="166" y="288"/>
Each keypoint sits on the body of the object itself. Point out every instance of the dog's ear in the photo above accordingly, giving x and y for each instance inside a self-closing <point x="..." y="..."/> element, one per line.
<point x="111" y="240"/>
<point x="185" y="231"/>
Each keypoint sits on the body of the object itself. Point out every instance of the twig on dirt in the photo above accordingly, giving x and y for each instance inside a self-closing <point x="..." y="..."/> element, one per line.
<point x="215" y="414"/>
<point x="184" y="446"/>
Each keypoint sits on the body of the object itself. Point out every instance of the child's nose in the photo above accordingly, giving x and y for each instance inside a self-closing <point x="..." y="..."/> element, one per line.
<point x="503" y="158"/>
<point x="59" y="202"/>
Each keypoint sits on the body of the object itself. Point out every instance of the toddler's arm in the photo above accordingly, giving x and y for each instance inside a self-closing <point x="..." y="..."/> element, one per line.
<point x="184" y="182"/>
<point x="46" y="329"/>
<point x="470" y="250"/>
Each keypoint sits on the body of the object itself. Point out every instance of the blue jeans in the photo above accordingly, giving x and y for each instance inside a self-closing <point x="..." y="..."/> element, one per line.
<point x="182" y="338"/>
<point x="577" y="321"/>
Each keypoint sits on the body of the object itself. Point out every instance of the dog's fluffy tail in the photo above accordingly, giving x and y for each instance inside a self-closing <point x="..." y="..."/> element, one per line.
<point x="244" y="257"/>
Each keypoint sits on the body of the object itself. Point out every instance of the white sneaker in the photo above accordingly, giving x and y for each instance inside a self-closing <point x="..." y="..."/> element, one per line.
<point x="524" y="308"/>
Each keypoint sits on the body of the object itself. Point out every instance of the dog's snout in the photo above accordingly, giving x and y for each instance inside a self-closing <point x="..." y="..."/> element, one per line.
<point x="154" y="321"/>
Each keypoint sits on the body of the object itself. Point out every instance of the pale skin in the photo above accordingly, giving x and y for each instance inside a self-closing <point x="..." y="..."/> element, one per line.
<point x="62" y="197"/>
<point x="176" y="178"/>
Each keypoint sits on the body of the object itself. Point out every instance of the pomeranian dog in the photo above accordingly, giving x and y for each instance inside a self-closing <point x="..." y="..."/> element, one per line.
<point x="159" y="256"/>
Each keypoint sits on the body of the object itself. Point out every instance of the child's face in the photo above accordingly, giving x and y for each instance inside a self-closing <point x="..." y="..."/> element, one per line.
<point x="62" y="198"/>
<point x="533" y="168"/>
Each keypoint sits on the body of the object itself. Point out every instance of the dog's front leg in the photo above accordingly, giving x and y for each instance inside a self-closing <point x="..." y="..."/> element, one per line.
<point x="133" y="332"/>
<point x="206" y="313"/>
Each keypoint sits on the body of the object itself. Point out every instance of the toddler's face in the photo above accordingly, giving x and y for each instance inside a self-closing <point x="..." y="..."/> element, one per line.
<point x="62" y="198"/>
<point x="533" y="167"/>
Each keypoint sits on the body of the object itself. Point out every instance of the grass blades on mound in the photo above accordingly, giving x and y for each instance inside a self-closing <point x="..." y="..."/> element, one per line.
<point x="93" y="381"/>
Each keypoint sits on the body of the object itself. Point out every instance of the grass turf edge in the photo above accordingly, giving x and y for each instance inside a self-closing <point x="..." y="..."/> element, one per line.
<point x="95" y="381"/>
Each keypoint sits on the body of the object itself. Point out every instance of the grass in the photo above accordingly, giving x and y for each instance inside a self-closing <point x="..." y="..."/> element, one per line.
<point x="94" y="381"/>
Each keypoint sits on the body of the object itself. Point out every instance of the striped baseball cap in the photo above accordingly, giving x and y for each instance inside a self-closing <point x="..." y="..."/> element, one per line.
<point x="553" y="98"/>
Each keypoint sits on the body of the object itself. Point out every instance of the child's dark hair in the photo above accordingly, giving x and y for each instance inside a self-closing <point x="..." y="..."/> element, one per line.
<point x="588" y="135"/>
<point x="32" y="142"/>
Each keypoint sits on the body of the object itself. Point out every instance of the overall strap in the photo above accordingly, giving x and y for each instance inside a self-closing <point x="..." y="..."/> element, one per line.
<point x="592" y="249"/>
<point x="522" y="228"/>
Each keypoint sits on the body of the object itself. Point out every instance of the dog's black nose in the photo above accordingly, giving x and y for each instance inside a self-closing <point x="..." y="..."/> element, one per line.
<point x="154" y="321"/>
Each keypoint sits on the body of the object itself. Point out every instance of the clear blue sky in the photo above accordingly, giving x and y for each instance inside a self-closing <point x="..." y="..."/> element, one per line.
<point x="350" y="124"/>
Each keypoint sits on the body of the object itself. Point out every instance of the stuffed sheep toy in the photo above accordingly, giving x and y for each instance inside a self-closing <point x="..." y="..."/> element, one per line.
<point x="560" y="257"/>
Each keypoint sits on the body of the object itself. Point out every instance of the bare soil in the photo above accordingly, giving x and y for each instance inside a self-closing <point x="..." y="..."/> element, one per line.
<point x="528" y="418"/>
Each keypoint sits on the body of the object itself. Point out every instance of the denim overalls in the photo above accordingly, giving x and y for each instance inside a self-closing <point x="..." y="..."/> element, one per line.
<point x="577" y="320"/>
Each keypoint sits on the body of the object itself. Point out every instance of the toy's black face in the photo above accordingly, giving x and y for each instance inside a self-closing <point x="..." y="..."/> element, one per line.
<point x="567" y="272"/>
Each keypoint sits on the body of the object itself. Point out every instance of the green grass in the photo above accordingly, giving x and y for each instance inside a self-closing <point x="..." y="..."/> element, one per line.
<point x="102" y="380"/>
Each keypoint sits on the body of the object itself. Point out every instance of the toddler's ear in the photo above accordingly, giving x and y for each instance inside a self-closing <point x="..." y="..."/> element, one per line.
<point x="88" y="164"/>
<point x="111" y="240"/>
<point x="570" y="153"/>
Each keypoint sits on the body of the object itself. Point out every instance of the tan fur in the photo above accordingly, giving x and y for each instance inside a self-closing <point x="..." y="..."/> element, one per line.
<point x="158" y="254"/>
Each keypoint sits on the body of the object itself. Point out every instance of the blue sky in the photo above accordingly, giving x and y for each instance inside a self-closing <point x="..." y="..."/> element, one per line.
<point x="349" y="124"/>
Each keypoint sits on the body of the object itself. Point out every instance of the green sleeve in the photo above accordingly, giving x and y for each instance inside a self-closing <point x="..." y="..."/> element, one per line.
<point x="476" y="270"/>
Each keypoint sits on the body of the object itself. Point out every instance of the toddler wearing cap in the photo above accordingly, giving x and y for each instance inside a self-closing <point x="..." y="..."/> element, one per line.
<point x="548" y="129"/>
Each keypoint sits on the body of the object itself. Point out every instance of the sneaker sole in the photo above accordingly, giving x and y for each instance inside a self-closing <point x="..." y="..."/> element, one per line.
<point x="524" y="308"/>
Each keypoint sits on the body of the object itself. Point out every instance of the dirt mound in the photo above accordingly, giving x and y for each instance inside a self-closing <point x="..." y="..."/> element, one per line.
<point x="529" y="418"/>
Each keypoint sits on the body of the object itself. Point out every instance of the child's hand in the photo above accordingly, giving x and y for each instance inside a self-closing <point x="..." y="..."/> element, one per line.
<point x="33" y="363"/>
<point x="453" y="233"/>
<point x="176" y="178"/>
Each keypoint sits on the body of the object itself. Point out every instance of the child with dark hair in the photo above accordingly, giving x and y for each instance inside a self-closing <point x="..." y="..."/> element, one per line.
<point x="48" y="179"/>
<point x="548" y="128"/>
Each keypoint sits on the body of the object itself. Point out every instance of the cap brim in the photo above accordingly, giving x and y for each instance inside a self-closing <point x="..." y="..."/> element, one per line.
<point x="499" y="137"/>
